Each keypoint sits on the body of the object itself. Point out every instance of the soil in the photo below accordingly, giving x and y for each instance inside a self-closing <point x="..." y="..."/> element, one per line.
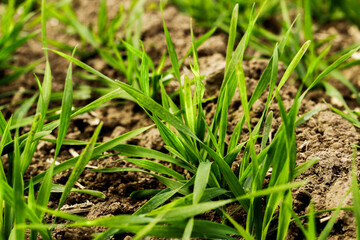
<point x="325" y="136"/>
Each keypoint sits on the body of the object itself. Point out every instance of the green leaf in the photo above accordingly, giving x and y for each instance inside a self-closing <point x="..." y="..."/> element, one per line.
<point x="355" y="193"/>
<point x="28" y="153"/>
<point x="155" y="167"/>
<point x="267" y="129"/>
<point x="80" y="166"/>
<point x="290" y="69"/>
<point x="232" y="34"/>
<point x="188" y="229"/>
<point x="56" y="188"/>
<point x="65" y="114"/>
<point x="201" y="180"/>
<point x="156" y="201"/>
<point x="45" y="190"/>
<point x="144" y="74"/>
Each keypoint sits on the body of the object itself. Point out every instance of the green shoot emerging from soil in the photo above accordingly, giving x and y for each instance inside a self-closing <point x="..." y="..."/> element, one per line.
<point x="204" y="168"/>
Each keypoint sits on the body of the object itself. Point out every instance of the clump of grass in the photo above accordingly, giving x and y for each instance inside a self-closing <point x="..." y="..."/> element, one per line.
<point x="194" y="145"/>
<point x="12" y="36"/>
<point x="200" y="149"/>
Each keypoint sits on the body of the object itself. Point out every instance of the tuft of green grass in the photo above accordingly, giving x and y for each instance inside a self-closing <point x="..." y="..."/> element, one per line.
<point x="194" y="145"/>
<point x="13" y="20"/>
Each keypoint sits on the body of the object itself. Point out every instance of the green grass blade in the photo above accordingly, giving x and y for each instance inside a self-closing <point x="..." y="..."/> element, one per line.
<point x="201" y="180"/>
<point x="284" y="216"/>
<point x="28" y="153"/>
<point x="330" y="68"/>
<point x="290" y="69"/>
<point x="5" y="135"/>
<point x="329" y="226"/>
<point x="347" y="116"/>
<point x="198" y="43"/>
<point x="139" y="97"/>
<point x="144" y="74"/>
<point x="355" y="194"/>
<point x="80" y="165"/>
<point x="232" y="34"/>
<point x="156" y="167"/>
<point x="169" y="137"/>
<point x="267" y="129"/>
<point x="18" y="191"/>
<point x="191" y="210"/>
<point x="239" y="228"/>
<point x="229" y="176"/>
<point x="312" y="223"/>
<point x="223" y="125"/>
<point x="20" y="113"/>
<point x="56" y="188"/>
<point x="67" y="101"/>
<point x="188" y="229"/>
<point x="305" y="166"/>
<point x="102" y="18"/>
<point x="308" y="24"/>
<point x="156" y="201"/>
<point x="173" y="59"/>
<point x="45" y="190"/>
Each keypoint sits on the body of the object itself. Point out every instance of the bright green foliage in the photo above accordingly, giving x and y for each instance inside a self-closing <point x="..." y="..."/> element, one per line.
<point x="194" y="144"/>
<point x="13" y="36"/>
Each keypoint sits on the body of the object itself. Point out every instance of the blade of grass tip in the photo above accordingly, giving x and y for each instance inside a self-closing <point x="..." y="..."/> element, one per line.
<point x="198" y="43"/>
<point x="80" y="165"/>
<point x="66" y="105"/>
<point x="232" y="34"/>
<point x="201" y="180"/>
<point x="286" y="36"/>
<point x="346" y="116"/>
<point x="290" y="69"/>
<point x="20" y="113"/>
<point x="102" y="18"/>
<point x="55" y="188"/>
<point x="144" y="73"/>
<point x="173" y="57"/>
<point x="40" y="87"/>
<point x="305" y="166"/>
<point x="188" y="229"/>
<point x="355" y="194"/>
<point x="327" y="70"/>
